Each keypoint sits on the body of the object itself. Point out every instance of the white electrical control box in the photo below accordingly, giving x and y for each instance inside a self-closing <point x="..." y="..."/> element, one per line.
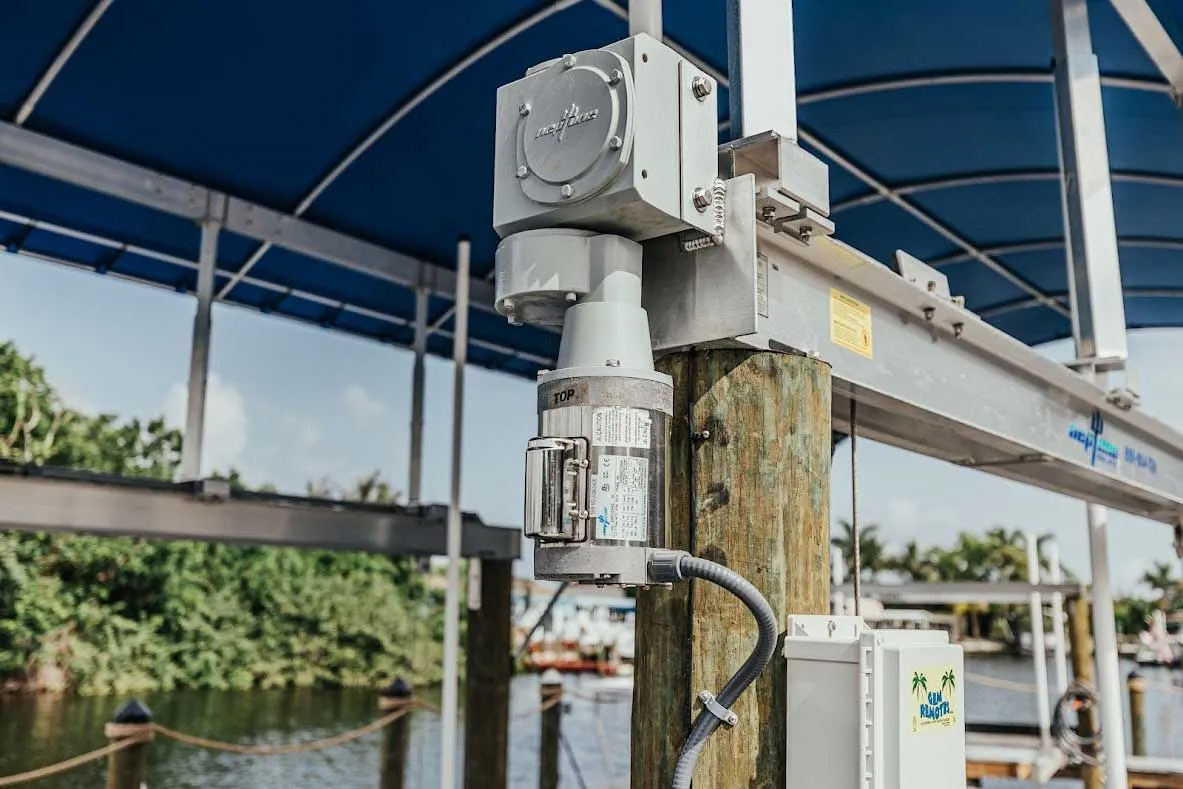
<point x="873" y="709"/>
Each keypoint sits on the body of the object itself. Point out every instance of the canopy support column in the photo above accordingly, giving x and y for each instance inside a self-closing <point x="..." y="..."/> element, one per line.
<point x="200" y="348"/>
<point x="452" y="596"/>
<point x="1098" y="311"/>
<point x="762" y="68"/>
<point x="418" y="379"/>
<point x="1039" y="645"/>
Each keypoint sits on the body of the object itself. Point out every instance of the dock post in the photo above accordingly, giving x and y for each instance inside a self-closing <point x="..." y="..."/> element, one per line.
<point x="550" y="692"/>
<point x="396" y="737"/>
<point x="128" y="768"/>
<point x="749" y="468"/>
<point x="489" y="662"/>
<point x="1137" y="688"/>
<point x="1081" y="640"/>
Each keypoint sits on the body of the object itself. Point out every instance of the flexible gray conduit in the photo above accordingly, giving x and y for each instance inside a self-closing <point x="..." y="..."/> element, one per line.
<point x="706" y="723"/>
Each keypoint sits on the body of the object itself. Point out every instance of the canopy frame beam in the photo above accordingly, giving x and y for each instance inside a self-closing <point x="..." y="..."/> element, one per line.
<point x="1160" y="48"/>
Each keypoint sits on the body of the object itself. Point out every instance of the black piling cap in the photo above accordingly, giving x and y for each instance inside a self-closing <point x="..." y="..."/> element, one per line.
<point x="133" y="711"/>
<point x="397" y="690"/>
<point x="1135" y="674"/>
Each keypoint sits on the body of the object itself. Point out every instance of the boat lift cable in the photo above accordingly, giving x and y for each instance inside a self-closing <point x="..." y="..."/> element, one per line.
<point x="542" y="618"/>
<point x="669" y="566"/>
<point x="855" y="537"/>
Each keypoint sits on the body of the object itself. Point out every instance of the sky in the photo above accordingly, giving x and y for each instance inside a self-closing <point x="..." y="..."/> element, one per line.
<point x="290" y="403"/>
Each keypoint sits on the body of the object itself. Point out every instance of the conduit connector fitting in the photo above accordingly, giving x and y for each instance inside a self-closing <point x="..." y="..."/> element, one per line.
<point x="664" y="566"/>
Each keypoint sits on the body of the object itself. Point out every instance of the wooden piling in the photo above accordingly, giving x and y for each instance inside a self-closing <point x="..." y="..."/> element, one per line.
<point x="1080" y="639"/>
<point x="550" y="697"/>
<point x="1137" y="689"/>
<point x="749" y="470"/>
<point x="128" y="768"/>
<point x="396" y="737"/>
<point x="489" y="666"/>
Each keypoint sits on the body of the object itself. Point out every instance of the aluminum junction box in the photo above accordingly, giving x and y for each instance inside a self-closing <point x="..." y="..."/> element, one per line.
<point x="616" y="140"/>
<point x="873" y="709"/>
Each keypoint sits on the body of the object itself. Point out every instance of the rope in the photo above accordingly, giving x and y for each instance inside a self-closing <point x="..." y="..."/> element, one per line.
<point x="274" y="750"/>
<point x="70" y="764"/>
<point x="541" y="708"/>
<point x="1079" y="749"/>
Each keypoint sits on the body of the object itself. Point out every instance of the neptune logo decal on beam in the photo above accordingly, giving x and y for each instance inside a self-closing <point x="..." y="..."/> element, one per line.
<point x="1100" y="452"/>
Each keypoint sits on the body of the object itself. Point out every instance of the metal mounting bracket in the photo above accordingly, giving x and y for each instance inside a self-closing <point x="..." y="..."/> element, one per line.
<point x="713" y="706"/>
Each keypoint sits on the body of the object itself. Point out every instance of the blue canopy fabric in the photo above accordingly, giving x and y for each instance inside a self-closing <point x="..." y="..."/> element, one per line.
<point x="948" y="101"/>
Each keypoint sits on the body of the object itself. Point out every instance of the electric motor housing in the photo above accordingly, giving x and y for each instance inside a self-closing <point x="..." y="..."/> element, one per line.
<point x="615" y="140"/>
<point x="596" y="476"/>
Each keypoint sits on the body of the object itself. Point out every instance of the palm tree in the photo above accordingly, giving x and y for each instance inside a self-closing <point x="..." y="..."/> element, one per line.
<point x="919" y="683"/>
<point x="1161" y="578"/>
<point x="872" y="553"/>
<point x="915" y="563"/>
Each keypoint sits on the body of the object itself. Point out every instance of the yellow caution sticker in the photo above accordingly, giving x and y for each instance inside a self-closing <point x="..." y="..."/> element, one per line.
<point x="850" y="324"/>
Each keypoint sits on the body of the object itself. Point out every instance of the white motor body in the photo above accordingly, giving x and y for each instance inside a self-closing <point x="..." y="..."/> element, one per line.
<point x="873" y="709"/>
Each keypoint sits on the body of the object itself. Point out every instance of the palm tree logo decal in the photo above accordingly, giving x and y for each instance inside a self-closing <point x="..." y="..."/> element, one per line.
<point x="919" y="684"/>
<point x="947" y="679"/>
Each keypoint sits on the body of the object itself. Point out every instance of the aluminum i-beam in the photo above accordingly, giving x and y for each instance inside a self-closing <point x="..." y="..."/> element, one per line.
<point x="953" y="592"/>
<point x="36" y="499"/>
<point x="929" y="376"/>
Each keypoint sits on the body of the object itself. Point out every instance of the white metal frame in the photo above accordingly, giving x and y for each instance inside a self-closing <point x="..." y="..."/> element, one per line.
<point x="1038" y="645"/>
<point x="1148" y="29"/>
<point x="59" y="62"/>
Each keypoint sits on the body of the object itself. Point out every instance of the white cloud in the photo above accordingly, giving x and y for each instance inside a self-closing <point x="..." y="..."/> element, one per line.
<point x="360" y="404"/>
<point x="225" y="422"/>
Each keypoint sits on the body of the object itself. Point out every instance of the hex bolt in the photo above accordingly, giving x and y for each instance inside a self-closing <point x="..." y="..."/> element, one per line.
<point x="615" y="143"/>
<point x="701" y="86"/>
<point x="701" y="435"/>
<point x="958" y="329"/>
<point x="768" y="213"/>
<point x="566" y="190"/>
<point x="571" y="298"/>
<point x="702" y="199"/>
<point x="928" y="313"/>
<point x="704" y="696"/>
<point x="524" y="109"/>
<point x="732" y="719"/>
<point x="613" y="363"/>
<point x="805" y="233"/>
<point x="568" y="61"/>
<point x="615" y="76"/>
<point x="523" y="171"/>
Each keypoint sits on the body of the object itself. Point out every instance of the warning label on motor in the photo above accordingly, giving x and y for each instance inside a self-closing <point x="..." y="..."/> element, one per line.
<point x="620" y="497"/>
<point x="621" y="427"/>
<point x="850" y="323"/>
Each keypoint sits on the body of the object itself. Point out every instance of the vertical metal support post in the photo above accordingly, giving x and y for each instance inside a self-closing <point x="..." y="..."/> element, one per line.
<point x="1098" y="311"/>
<point x="451" y="695"/>
<point x="418" y="382"/>
<point x="761" y="67"/>
<point x="200" y="351"/>
<point x="1039" y="646"/>
<point x="1056" y="575"/>
<point x="644" y="16"/>
<point x="1094" y="274"/>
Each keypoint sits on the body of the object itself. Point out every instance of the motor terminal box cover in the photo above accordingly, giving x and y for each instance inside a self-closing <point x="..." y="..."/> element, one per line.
<point x="614" y="140"/>
<point x="873" y="709"/>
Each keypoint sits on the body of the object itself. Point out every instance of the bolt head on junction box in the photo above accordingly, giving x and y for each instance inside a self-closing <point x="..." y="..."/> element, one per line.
<point x="613" y="140"/>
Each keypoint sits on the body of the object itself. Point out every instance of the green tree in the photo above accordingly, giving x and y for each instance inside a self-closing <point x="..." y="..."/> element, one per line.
<point x="105" y="615"/>
<point x="915" y="563"/>
<point x="1161" y="578"/>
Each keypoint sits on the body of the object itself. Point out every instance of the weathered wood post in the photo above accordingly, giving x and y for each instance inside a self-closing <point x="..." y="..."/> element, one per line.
<point x="550" y="694"/>
<point x="1137" y="688"/>
<point x="397" y="735"/>
<point x="749" y="487"/>
<point x="488" y="668"/>
<point x="128" y="768"/>
<point x="1080" y="639"/>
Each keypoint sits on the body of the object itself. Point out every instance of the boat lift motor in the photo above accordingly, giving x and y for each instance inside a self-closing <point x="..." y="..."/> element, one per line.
<point x="597" y="151"/>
